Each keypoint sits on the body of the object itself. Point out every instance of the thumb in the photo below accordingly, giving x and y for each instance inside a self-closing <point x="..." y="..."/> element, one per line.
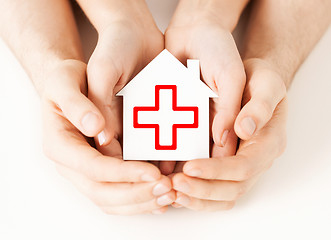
<point x="265" y="89"/>
<point x="82" y="113"/>
<point x="67" y="93"/>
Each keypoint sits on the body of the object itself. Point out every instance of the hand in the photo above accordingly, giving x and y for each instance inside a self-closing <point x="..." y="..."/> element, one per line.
<point x="195" y="34"/>
<point x="123" y="49"/>
<point x="216" y="183"/>
<point x="117" y="186"/>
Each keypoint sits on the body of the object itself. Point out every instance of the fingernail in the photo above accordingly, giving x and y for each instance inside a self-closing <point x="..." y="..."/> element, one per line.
<point x="160" y="189"/>
<point x="164" y="200"/>
<point x="148" y="178"/>
<point x="157" y="212"/>
<point x="224" y="138"/>
<point x="89" y="122"/>
<point x="102" y="138"/>
<point x="248" y="125"/>
<point x="183" y="200"/>
<point x="182" y="187"/>
<point x="194" y="172"/>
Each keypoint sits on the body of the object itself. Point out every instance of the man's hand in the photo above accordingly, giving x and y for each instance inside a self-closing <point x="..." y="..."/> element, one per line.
<point x="117" y="186"/>
<point x="216" y="183"/>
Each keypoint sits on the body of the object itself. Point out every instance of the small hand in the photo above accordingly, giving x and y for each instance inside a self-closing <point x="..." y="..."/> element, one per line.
<point x="216" y="183"/>
<point x="195" y="35"/>
<point x="123" y="49"/>
<point x="117" y="186"/>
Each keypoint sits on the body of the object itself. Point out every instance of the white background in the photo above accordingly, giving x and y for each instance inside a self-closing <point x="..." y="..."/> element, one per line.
<point x="292" y="200"/>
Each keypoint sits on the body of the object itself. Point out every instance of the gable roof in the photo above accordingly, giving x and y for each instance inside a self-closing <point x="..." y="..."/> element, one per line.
<point x="166" y="63"/>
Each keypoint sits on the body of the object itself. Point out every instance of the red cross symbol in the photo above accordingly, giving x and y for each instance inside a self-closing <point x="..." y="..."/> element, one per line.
<point x="156" y="108"/>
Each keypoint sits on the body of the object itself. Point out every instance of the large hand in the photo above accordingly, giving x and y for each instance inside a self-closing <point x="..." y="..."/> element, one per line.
<point x="117" y="186"/>
<point x="216" y="183"/>
<point x="195" y="34"/>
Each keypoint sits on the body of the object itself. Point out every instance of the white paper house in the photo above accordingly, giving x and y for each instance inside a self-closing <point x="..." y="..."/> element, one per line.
<point x="166" y="112"/>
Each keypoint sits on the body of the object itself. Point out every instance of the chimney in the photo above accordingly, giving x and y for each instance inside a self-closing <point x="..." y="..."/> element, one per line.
<point x="194" y="67"/>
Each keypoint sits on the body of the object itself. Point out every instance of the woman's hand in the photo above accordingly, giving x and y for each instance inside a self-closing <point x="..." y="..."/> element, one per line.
<point x="198" y="31"/>
<point x="128" y="40"/>
<point x="117" y="186"/>
<point x="216" y="183"/>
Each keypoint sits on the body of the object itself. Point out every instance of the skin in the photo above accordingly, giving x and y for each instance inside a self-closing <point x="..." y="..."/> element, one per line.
<point x="280" y="35"/>
<point x="200" y="30"/>
<point x="53" y="59"/>
<point x="61" y="77"/>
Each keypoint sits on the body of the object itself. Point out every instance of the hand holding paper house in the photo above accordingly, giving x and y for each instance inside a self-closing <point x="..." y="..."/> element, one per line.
<point x="166" y="112"/>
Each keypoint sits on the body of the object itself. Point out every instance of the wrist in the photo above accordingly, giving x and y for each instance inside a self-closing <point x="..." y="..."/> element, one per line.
<point x="265" y="65"/>
<point x="52" y="70"/>
<point x="217" y="12"/>
<point x="104" y="13"/>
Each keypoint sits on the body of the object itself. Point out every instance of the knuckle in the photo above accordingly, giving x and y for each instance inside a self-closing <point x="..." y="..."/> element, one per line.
<point x="235" y="70"/>
<point x="278" y="83"/>
<point x="240" y="75"/>
<point x="102" y="69"/>
<point x="264" y="109"/>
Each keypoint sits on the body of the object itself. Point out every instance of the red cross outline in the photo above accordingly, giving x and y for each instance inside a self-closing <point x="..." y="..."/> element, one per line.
<point x="173" y="146"/>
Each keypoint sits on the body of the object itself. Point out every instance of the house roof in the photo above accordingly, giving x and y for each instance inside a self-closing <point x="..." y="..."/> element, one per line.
<point x="166" y="66"/>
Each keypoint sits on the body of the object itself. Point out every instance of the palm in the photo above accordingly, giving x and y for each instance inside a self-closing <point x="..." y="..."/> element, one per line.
<point x="221" y="69"/>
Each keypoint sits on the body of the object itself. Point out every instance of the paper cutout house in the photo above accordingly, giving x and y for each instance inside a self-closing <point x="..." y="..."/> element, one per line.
<point x="166" y="112"/>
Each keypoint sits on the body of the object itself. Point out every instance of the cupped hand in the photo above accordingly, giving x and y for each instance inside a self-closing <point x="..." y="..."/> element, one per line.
<point x="117" y="186"/>
<point x="195" y="34"/>
<point x="123" y="49"/>
<point x="216" y="183"/>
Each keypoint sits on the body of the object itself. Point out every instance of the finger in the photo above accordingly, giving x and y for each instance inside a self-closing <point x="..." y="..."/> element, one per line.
<point x="160" y="210"/>
<point x="167" y="167"/>
<point x="141" y="208"/>
<point x="266" y="90"/>
<point x="104" y="72"/>
<point x="230" y="82"/>
<point x="227" y="77"/>
<point x="252" y="156"/>
<point x="78" y="155"/>
<point x="102" y="77"/>
<point x="114" y="194"/>
<point x="176" y="205"/>
<point x="202" y="205"/>
<point x="212" y="189"/>
<point x="66" y="92"/>
<point x="228" y="149"/>
<point x="113" y="149"/>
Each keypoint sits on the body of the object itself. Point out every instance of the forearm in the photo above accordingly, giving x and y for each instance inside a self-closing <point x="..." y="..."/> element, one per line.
<point x="102" y="13"/>
<point x="223" y="12"/>
<point x="284" y="32"/>
<point x="41" y="34"/>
